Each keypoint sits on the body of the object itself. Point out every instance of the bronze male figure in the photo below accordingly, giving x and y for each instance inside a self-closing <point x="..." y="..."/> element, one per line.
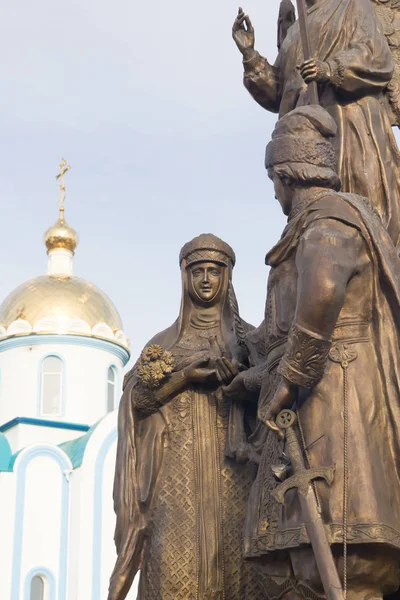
<point x="332" y="328"/>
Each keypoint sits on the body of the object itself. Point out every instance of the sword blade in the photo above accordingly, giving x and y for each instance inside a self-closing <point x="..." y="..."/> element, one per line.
<point x="321" y="548"/>
<point x="306" y="44"/>
<point x="310" y="512"/>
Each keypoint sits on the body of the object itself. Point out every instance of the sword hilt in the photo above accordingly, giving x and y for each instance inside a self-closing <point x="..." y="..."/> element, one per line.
<point x="302" y="481"/>
<point x="286" y="420"/>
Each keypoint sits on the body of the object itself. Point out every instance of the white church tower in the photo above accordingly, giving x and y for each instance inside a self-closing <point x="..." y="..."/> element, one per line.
<point x="62" y="355"/>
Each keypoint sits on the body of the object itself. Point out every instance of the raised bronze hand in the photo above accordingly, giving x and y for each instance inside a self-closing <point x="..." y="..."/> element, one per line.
<point x="226" y="370"/>
<point x="243" y="34"/>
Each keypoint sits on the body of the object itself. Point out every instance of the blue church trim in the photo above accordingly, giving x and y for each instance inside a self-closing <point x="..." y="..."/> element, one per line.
<point x="5" y="454"/>
<point x="43" y="423"/>
<point x="75" y="449"/>
<point x="50" y="582"/>
<point x="36" y="339"/>
<point x="65" y="465"/>
<point x="98" y="512"/>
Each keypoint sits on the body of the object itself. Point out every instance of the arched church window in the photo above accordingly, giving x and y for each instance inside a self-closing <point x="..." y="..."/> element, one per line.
<point x="51" y="386"/>
<point x="37" y="588"/>
<point x="111" y="389"/>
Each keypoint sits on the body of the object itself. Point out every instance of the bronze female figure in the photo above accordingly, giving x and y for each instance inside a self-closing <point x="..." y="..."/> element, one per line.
<point x="180" y="495"/>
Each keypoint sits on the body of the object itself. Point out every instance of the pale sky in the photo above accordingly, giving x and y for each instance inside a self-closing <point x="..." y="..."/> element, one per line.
<point x="146" y="102"/>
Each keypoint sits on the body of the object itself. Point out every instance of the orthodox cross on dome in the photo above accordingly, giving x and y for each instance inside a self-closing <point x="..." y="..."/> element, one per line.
<point x="64" y="167"/>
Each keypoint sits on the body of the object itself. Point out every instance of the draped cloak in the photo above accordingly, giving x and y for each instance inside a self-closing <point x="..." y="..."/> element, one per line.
<point x="346" y="34"/>
<point x="179" y="494"/>
<point x="369" y="328"/>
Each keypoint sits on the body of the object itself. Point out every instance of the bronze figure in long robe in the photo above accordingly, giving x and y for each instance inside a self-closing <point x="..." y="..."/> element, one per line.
<point x="180" y="495"/>
<point x="347" y="37"/>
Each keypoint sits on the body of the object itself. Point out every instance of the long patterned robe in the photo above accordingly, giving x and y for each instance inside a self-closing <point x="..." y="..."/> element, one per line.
<point x="345" y="33"/>
<point x="189" y="501"/>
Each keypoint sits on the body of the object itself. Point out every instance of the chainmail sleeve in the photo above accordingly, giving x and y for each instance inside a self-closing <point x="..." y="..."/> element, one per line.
<point x="254" y="377"/>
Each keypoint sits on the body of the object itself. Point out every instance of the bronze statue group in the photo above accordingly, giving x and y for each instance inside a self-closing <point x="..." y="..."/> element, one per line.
<point x="264" y="462"/>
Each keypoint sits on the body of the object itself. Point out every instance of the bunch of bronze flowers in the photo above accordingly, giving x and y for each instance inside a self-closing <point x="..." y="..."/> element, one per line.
<point x="155" y="364"/>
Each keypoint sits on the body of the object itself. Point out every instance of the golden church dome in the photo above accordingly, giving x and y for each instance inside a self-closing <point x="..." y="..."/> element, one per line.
<point x="51" y="298"/>
<point x="59" y="303"/>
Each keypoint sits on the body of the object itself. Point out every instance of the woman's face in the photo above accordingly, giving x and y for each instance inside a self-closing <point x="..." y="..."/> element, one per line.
<point x="205" y="278"/>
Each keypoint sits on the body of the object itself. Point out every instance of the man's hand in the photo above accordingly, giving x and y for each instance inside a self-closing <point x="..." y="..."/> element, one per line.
<point x="197" y="372"/>
<point x="315" y="70"/>
<point x="244" y="35"/>
<point x="285" y="397"/>
<point x="226" y="370"/>
<point x="236" y="389"/>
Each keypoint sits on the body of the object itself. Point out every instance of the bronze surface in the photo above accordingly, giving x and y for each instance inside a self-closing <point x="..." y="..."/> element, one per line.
<point x="332" y="325"/>
<point x="320" y="497"/>
<point x="356" y="66"/>
<point x="180" y="511"/>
